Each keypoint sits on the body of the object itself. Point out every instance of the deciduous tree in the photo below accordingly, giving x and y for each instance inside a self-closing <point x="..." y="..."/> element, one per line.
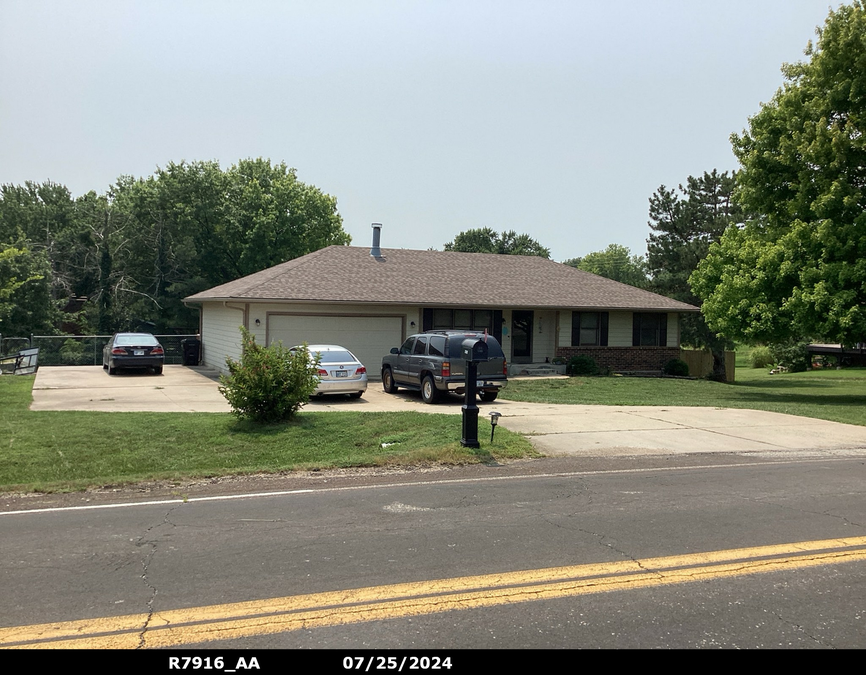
<point x="799" y="268"/>
<point x="615" y="262"/>
<point x="139" y="249"/>
<point x="25" y="292"/>
<point x="487" y="240"/>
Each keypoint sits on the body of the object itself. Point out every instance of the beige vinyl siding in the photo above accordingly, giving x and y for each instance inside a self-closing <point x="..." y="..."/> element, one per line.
<point x="673" y="330"/>
<point x="619" y="329"/>
<point x="221" y="336"/>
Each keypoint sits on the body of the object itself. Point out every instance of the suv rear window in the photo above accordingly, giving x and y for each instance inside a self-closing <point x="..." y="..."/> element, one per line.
<point x="437" y="345"/>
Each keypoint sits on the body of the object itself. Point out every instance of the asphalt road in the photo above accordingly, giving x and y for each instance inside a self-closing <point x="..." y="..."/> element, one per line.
<point x="671" y="552"/>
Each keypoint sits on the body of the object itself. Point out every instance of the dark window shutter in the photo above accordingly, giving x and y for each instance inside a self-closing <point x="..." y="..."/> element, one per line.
<point x="635" y="329"/>
<point x="663" y="330"/>
<point x="575" y="329"/>
<point x="604" y="319"/>
<point x="427" y="319"/>
<point x="497" y="325"/>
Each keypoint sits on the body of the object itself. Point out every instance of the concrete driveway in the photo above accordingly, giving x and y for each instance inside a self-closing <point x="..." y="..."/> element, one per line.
<point x="178" y="389"/>
<point x="553" y="429"/>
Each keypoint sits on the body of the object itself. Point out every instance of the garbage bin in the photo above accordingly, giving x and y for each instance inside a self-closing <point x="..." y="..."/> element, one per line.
<point x="191" y="351"/>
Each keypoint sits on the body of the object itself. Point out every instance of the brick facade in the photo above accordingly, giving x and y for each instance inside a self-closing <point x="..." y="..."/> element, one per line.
<point x="624" y="359"/>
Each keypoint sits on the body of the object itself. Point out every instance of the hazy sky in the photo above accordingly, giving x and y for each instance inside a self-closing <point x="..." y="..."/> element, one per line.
<point x="558" y="119"/>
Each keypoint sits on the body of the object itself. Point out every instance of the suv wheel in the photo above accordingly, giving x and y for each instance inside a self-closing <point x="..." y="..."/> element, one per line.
<point x="488" y="396"/>
<point x="388" y="381"/>
<point x="429" y="392"/>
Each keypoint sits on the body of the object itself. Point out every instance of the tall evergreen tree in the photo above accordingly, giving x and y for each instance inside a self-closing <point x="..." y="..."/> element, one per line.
<point x="684" y="223"/>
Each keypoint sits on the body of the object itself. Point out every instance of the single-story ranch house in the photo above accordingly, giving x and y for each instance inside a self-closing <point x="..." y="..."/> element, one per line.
<point x="370" y="300"/>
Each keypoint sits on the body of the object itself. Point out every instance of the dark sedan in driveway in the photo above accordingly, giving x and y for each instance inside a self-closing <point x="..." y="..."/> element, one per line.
<point x="133" y="350"/>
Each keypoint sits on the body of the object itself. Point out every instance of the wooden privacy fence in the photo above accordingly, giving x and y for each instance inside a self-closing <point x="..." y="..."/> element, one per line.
<point x="700" y="362"/>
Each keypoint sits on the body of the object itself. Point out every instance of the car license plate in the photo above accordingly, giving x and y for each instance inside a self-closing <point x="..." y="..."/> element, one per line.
<point x="138" y="352"/>
<point x="479" y="383"/>
<point x="341" y="373"/>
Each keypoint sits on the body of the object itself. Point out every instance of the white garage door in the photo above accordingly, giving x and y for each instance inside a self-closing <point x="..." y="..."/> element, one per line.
<point x="367" y="337"/>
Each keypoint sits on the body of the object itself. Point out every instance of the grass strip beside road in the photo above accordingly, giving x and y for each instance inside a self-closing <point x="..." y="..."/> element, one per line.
<point x="58" y="451"/>
<point x="835" y="395"/>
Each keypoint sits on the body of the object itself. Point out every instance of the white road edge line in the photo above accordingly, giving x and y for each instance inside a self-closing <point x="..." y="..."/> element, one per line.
<point x="284" y="493"/>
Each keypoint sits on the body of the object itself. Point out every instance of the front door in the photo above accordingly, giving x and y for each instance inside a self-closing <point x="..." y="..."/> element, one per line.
<point x="521" y="336"/>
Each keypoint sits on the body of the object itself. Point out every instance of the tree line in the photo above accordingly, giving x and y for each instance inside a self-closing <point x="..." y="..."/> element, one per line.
<point x="131" y="255"/>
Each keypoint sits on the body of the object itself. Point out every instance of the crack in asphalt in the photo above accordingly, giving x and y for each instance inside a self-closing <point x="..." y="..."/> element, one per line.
<point x="802" y="630"/>
<point x="145" y="564"/>
<point x="766" y="502"/>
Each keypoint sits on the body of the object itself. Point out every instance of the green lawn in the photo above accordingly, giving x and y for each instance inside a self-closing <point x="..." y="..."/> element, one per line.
<point x="837" y="395"/>
<point x="53" y="451"/>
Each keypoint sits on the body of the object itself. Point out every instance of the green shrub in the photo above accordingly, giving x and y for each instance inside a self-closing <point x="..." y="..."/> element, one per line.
<point x="582" y="365"/>
<point x="761" y="357"/>
<point x="791" y="355"/>
<point x="269" y="384"/>
<point x="677" y="367"/>
<point x="72" y="353"/>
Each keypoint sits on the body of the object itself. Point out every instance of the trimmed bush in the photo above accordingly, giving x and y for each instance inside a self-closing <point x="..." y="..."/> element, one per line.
<point x="582" y="365"/>
<point x="761" y="357"/>
<point x="676" y="367"/>
<point x="791" y="355"/>
<point x="269" y="384"/>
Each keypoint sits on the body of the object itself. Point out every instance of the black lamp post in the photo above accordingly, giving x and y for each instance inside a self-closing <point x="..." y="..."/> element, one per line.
<point x="494" y="420"/>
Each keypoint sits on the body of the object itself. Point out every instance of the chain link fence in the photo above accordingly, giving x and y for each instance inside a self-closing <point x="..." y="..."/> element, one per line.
<point x="82" y="350"/>
<point x="9" y="346"/>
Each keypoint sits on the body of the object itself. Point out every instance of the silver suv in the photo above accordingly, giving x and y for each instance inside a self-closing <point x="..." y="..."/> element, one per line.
<point x="431" y="362"/>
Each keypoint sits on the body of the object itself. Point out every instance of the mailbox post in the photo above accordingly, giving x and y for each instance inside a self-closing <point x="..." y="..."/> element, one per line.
<point x="473" y="352"/>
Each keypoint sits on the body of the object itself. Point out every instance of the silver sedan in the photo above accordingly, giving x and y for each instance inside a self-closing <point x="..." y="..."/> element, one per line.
<point x="340" y="372"/>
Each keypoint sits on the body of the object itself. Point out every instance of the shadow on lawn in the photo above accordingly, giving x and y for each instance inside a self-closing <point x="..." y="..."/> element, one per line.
<point x="844" y="400"/>
<point x="788" y="384"/>
<point x="260" y="429"/>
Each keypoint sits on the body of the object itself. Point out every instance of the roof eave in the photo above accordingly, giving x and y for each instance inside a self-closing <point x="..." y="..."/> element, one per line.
<point x="434" y="303"/>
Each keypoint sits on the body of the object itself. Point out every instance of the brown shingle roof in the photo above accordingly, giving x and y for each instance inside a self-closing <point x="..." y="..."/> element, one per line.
<point x="402" y="276"/>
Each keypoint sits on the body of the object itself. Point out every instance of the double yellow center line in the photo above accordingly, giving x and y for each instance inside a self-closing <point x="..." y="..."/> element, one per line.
<point x="178" y="627"/>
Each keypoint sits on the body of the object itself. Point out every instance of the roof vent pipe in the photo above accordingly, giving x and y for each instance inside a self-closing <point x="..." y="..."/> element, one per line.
<point x="376" y="252"/>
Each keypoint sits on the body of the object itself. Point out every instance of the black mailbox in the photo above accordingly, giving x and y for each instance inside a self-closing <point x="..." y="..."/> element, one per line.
<point x="474" y="350"/>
